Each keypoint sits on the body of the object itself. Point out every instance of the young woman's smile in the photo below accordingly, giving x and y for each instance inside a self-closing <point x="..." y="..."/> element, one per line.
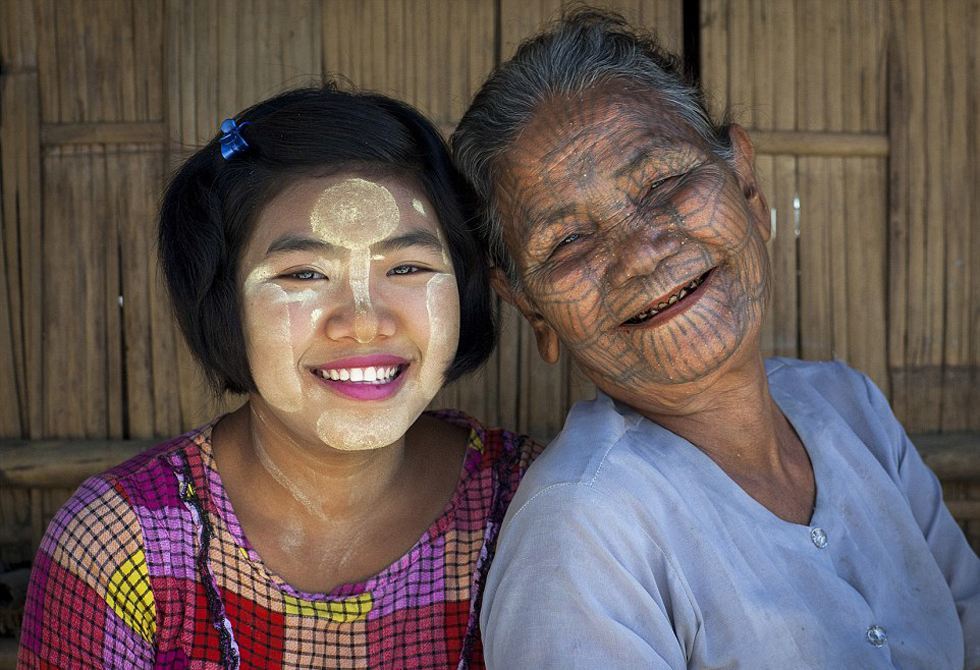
<point x="351" y="311"/>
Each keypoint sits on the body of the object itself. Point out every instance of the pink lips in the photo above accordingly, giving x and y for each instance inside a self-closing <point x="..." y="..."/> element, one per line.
<point x="364" y="390"/>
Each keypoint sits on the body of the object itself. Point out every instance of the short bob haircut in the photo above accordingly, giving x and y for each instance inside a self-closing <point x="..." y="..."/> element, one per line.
<point x="211" y="205"/>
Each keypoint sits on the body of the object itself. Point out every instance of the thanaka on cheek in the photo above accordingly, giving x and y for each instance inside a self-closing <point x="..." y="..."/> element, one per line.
<point x="358" y="428"/>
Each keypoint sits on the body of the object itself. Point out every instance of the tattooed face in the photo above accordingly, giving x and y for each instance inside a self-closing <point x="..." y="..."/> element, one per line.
<point x="639" y="249"/>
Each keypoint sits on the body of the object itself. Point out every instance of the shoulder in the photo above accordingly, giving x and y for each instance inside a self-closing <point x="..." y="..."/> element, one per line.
<point x="830" y="378"/>
<point x="493" y="448"/>
<point x="834" y="396"/>
<point x="579" y="456"/>
<point x="106" y="515"/>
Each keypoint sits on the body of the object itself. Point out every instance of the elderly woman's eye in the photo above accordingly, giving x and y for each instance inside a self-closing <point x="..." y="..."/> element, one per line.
<point x="568" y="239"/>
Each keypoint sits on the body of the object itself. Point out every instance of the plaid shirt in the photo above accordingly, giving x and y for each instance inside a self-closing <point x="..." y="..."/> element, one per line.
<point x="146" y="566"/>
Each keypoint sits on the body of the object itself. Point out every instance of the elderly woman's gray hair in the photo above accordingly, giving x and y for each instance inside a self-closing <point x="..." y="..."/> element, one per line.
<point x="585" y="49"/>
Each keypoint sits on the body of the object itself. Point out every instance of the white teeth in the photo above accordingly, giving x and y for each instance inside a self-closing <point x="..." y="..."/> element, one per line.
<point x="682" y="293"/>
<point x="672" y="300"/>
<point x="367" y="375"/>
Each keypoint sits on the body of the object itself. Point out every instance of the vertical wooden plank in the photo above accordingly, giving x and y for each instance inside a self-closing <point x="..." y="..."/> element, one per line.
<point x="899" y="203"/>
<point x="137" y="170"/>
<point x="865" y="242"/>
<point x="783" y="249"/>
<point x="816" y="327"/>
<point x="106" y="245"/>
<point x="758" y="42"/>
<point x="834" y="205"/>
<point x="20" y="151"/>
<point x="928" y="341"/>
<point x="973" y="58"/>
<point x="958" y="223"/>
<point x="20" y="209"/>
<point x="714" y="55"/>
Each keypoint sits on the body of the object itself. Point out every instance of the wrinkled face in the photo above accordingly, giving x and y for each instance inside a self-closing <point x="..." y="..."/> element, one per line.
<point x="639" y="250"/>
<point x="350" y="309"/>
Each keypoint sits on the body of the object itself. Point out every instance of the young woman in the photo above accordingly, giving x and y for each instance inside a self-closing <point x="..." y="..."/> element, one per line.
<point x="319" y="261"/>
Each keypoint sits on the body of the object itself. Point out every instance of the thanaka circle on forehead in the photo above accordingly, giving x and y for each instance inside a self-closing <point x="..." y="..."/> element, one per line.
<point x="355" y="213"/>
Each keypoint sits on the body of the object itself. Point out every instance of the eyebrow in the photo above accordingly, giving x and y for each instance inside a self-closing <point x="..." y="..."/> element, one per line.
<point x="545" y="220"/>
<point x="414" y="238"/>
<point x="648" y="152"/>
<point x="299" y="243"/>
<point x="423" y="238"/>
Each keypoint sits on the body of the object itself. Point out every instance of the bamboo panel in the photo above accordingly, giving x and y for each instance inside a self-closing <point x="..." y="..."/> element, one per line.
<point x="960" y="222"/>
<point x="973" y="314"/>
<point x="224" y="56"/>
<point x="933" y="298"/>
<point x="20" y="183"/>
<point x="783" y="310"/>
<point x="99" y="60"/>
<point x="815" y="178"/>
<point x="150" y="398"/>
<point x="81" y="367"/>
<point x="433" y="55"/>
<point x="781" y="69"/>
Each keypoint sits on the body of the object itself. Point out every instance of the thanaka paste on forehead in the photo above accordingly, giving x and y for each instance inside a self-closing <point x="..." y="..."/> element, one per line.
<point x="418" y="206"/>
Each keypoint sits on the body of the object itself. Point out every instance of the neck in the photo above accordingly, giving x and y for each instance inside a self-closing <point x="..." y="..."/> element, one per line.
<point x="734" y="420"/>
<point x="323" y="482"/>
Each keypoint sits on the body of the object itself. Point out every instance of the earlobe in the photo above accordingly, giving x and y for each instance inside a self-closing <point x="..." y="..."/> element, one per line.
<point x="547" y="339"/>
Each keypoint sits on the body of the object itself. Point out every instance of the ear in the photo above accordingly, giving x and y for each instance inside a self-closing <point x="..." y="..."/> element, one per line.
<point x="745" y="172"/>
<point x="544" y="334"/>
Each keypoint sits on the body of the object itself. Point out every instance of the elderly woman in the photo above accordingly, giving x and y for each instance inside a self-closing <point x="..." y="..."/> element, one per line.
<point x="708" y="508"/>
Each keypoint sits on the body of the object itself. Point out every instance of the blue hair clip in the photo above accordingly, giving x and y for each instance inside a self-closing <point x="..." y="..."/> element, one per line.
<point x="231" y="140"/>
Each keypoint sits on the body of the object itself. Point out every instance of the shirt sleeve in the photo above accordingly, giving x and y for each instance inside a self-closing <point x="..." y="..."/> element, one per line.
<point x="89" y="601"/>
<point x="572" y="586"/>
<point x="955" y="557"/>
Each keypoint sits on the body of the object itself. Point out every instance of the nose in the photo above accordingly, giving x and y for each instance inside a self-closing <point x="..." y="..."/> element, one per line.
<point x="638" y="251"/>
<point x="364" y="316"/>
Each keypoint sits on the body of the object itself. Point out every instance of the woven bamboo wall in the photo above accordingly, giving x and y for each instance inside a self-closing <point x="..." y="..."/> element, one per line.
<point x="864" y="114"/>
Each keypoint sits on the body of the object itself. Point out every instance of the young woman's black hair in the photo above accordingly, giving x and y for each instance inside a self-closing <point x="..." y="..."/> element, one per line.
<point x="211" y="205"/>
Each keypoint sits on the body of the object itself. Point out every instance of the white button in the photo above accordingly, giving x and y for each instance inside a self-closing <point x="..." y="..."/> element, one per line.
<point x="819" y="537"/>
<point x="877" y="636"/>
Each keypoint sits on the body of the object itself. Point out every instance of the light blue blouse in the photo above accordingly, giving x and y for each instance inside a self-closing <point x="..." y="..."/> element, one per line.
<point x="627" y="547"/>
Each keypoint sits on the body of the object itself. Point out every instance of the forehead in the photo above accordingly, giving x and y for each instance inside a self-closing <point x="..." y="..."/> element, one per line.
<point x="598" y="125"/>
<point x="359" y="206"/>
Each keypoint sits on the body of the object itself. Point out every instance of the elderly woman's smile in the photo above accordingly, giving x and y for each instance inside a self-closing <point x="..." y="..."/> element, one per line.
<point x="648" y="264"/>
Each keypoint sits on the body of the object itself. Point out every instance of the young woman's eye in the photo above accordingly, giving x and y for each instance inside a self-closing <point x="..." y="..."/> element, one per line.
<point x="405" y="270"/>
<point x="305" y="275"/>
